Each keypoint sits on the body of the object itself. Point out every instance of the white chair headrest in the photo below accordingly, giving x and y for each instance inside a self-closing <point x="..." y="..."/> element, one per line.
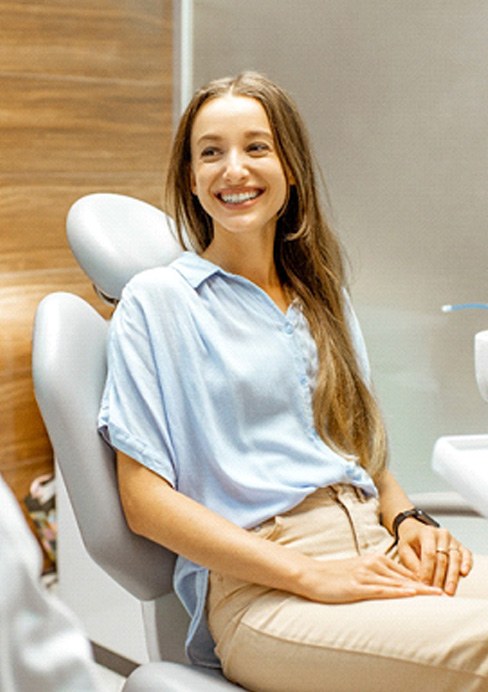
<point x="113" y="237"/>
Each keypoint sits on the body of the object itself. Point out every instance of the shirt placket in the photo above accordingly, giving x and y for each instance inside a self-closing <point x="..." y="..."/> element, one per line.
<point x="290" y="328"/>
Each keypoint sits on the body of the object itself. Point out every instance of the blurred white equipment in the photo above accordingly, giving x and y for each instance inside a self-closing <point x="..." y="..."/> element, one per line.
<point x="463" y="459"/>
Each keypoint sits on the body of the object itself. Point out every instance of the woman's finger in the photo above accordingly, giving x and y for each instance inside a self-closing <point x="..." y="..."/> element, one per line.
<point x="453" y="571"/>
<point x="386" y="578"/>
<point x="466" y="560"/>
<point x="428" y="556"/>
<point x="453" y="562"/>
<point x="442" y="562"/>
<point x="380" y="564"/>
<point x="383" y="572"/>
<point x="409" y="558"/>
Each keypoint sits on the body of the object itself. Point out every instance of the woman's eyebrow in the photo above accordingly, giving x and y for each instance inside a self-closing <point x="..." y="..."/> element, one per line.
<point x="250" y="134"/>
<point x="259" y="133"/>
<point x="209" y="138"/>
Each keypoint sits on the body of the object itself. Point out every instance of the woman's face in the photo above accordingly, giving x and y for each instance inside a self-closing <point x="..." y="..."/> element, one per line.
<point x="236" y="172"/>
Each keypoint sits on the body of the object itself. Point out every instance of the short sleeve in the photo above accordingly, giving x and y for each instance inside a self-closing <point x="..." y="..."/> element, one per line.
<point x="133" y="413"/>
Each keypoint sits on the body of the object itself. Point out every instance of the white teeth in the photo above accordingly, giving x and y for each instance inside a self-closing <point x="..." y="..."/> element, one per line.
<point x="238" y="197"/>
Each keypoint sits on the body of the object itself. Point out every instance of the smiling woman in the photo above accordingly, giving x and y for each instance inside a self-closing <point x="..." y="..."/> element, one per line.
<point x="240" y="182"/>
<point x="248" y="439"/>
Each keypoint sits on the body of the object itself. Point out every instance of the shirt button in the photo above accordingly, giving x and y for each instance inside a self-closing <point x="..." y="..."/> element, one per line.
<point x="289" y="328"/>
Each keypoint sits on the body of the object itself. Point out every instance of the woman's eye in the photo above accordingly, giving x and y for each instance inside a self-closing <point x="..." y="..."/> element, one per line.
<point x="209" y="152"/>
<point x="258" y="148"/>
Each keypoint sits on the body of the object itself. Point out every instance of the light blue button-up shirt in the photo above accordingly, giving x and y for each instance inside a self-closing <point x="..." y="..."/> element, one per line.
<point x="210" y="385"/>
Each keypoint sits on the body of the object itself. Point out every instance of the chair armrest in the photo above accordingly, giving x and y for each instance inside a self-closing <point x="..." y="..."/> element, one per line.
<point x="176" y="677"/>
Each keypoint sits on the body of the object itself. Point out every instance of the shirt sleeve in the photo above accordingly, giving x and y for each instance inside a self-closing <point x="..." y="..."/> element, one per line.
<point x="133" y="413"/>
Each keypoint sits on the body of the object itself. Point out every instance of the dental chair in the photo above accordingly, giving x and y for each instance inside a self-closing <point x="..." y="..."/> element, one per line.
<point x="113" y="237"/>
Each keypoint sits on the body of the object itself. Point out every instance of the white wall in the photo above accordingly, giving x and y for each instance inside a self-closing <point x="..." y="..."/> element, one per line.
<point x="395" y="96"/>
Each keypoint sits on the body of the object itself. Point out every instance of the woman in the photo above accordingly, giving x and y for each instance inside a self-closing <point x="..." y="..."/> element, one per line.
<point x="248" y="440"/>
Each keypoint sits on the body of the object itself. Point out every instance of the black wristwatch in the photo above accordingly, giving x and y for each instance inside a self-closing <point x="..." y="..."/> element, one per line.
<point x="416" y="513"/>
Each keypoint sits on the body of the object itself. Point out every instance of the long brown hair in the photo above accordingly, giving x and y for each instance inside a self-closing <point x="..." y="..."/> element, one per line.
<point x="308" y="258"/>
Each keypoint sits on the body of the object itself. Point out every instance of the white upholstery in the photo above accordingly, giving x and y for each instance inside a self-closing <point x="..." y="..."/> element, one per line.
<point x="115" y="236"/>
<point x="69" y="367"/>
<point x="174" y="677"/>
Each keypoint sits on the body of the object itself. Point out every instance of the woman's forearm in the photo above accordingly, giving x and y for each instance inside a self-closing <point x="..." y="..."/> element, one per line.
<point x="158" y="512"/>
<point x="393" y="499"/>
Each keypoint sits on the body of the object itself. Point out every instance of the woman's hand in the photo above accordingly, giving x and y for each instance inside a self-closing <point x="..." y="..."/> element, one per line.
<point x="434" y="555"/>
<point x="363" y="578"/>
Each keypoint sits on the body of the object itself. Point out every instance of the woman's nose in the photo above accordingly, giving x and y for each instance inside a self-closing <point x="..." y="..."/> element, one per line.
<point x="235" y="168"/>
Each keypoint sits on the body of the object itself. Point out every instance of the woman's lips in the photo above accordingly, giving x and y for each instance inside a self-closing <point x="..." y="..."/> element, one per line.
<point x="241" y="197"/>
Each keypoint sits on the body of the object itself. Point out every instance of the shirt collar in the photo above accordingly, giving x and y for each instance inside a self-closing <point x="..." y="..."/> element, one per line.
<point x="195" y="269"/>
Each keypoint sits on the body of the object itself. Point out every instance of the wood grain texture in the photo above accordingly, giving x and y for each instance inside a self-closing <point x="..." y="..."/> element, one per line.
<point x="106" y="39"/>
<point x="33" y="213"/>
<point x="17" y="309"/>
<point x="85" y="106"/>
<point x="56" y="125"/>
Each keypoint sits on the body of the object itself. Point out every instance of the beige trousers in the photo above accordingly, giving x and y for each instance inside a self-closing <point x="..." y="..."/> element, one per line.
<point x="271" y="641"/>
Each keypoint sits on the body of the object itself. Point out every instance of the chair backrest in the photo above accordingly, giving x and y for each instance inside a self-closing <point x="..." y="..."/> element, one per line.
<point x="69" y="368"/>
<point x="113" y="237"/>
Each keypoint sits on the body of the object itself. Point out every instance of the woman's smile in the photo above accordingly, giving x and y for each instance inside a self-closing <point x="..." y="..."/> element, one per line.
<point x="238" y="197"/>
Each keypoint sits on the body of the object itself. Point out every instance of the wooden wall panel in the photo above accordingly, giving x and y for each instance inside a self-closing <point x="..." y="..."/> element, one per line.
<point x="85" y="106"/>
<point x="55" y="125"/>
<point x="33" y="211"/>
<point x="107" y="39"/>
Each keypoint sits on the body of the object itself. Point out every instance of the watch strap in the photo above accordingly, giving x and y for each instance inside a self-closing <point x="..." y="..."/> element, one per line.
<point x="414" y="513"/>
